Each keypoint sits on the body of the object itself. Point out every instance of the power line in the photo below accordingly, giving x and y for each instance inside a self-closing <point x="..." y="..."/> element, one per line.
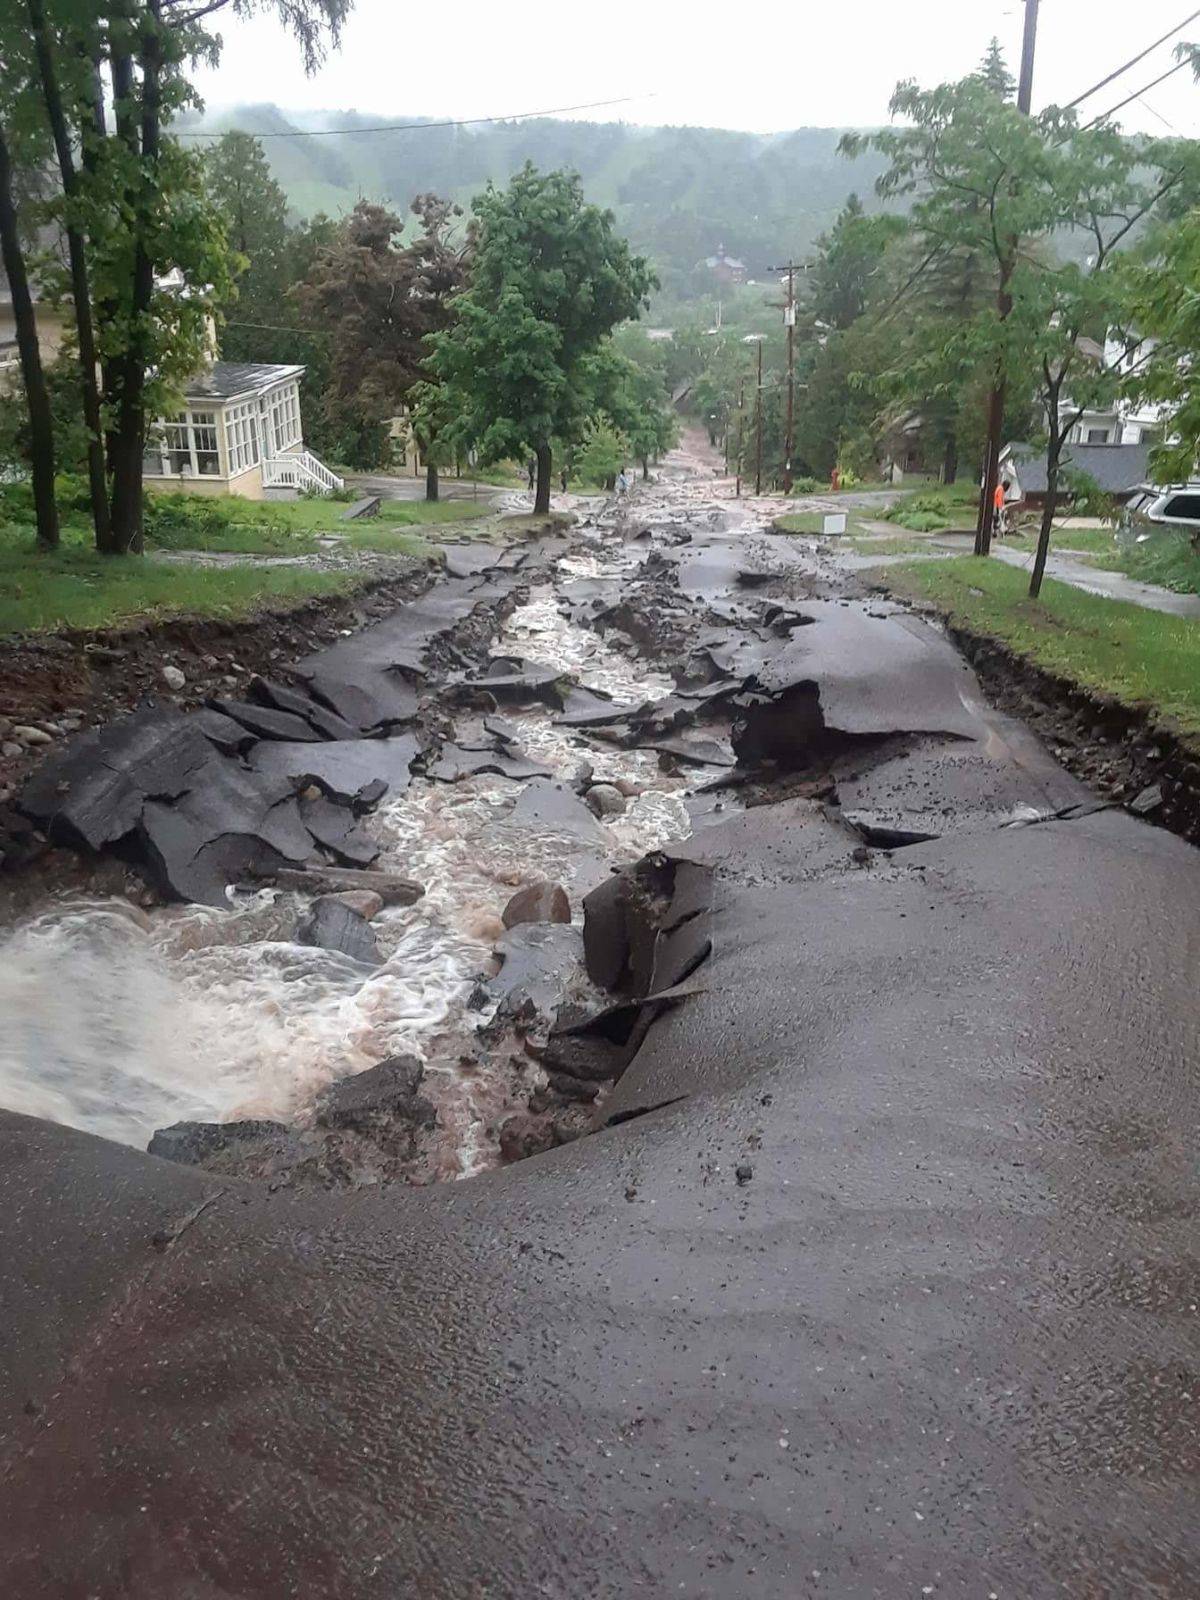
<point x="270" y="327"/>
<point x="1137" y="95"/>
<point x="415" y="127"/>
<point x="1113" y="76"/>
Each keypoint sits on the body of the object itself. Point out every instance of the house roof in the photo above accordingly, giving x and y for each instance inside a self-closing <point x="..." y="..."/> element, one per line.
<point x="1115" y="468"/>
<point x="226" y="380"/>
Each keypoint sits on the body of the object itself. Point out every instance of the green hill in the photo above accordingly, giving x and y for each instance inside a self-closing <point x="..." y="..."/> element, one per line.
<point x="677" y="192"/>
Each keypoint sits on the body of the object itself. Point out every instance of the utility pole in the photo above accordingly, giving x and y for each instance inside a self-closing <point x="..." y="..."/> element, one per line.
<point x="741" y="449"/>
<point x="758" y="407"/>
<point x="995" y="417"/>
<point x="789" y="322"/>
<point x="1028" y="51"/>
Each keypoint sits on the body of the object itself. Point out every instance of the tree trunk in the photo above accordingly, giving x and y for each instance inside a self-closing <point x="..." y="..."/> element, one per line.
<point x="950" y="459"/>
<point x="645" y="468"/>
<point x="37" y="397"/>
<point x="996" y="399"/>
<point x="80" y="277"/>
<point x="545" y="468"/>
<point x="431" y="480"/>
<point x="991" y="472"/>
<point x="1049" y="510"/>
<point x="131" y="424"/>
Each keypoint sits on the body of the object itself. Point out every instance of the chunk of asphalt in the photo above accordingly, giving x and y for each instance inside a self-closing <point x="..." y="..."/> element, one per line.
<point x="330" y="924"/>
<point x="341" y="767"/>
<point x="191" y="1143"/>
<point x="282" y="698"/>
<point x="93" y="792"/>
<point x="191" y="845"/>
<point x="266" y="722"/>
<point x="339" y="831"/>
<point x="230" y="738"/>
<point x="372" y="1102"/>
<point x="539" y="960"/>
<point x="556" y="808"/>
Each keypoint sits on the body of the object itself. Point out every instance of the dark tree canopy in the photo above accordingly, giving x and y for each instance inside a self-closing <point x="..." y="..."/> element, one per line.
<point x="551" y="279"/>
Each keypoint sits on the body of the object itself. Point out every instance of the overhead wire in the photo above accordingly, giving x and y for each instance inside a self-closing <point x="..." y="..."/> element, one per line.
<point x="416" y="127"/>
<point x="1120" y="72"/>
<point x="1137" y="95"/>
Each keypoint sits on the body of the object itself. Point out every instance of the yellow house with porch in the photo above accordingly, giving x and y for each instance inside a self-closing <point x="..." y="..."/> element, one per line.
<point x="240" y="432"/>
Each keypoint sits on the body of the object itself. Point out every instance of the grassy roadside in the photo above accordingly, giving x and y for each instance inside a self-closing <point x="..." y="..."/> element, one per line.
<point x="75" y="588"/>
<point x="78" y="589"/>
<point x="1139" y="657"/>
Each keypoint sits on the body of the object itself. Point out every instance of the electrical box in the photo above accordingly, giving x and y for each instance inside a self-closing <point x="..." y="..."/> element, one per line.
<point x="835" y="522"/>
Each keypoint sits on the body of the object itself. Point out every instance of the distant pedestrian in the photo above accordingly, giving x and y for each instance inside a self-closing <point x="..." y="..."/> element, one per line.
<point x="562" y="477"/>
<point x="531" y="471"/>
<point x="998" y="502"/>
<point x="835" y="479"/>
<point x="622" y="484"/>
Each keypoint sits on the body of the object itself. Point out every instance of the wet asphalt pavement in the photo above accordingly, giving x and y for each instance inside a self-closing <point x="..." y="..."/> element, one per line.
<point x="885" y="1287"/>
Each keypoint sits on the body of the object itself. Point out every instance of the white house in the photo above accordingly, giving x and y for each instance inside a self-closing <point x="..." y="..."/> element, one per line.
<point x="240" y="433"/>
<point x="1126" y="421"/>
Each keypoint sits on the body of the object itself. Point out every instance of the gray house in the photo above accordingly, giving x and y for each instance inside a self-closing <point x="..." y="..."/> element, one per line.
<point x="1117" y="469"/>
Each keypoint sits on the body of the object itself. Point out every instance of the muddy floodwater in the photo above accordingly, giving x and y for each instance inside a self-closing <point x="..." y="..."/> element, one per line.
<point x="192" y="1013"/>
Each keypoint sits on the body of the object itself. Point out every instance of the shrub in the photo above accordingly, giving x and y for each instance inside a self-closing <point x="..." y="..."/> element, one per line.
<point x="806" y="486"/>
<point x="189" y="522"/>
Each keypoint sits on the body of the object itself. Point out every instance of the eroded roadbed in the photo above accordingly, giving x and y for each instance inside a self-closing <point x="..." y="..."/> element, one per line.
<point x="875" y="1273"/>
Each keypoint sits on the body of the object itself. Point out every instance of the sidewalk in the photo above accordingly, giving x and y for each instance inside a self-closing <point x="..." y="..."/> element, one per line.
<point x="1093" y="580"/>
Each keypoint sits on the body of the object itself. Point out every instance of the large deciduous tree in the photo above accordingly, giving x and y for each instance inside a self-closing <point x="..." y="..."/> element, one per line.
<point x="550" y="280"/>
<point x="146" y="255"/>
<point x="380" y="302"/>
<point x="979" y="175"/>
<point x="1106" y="187"/>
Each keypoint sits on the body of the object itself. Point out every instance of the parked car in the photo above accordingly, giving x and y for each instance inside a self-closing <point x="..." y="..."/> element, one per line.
<point x="1151" y="509"/>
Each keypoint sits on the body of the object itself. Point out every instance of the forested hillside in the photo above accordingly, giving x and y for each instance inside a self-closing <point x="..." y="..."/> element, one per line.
<point x="677" y="192"/>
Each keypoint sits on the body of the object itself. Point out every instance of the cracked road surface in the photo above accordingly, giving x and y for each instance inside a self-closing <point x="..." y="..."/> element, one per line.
<point x="880" y="1282"/>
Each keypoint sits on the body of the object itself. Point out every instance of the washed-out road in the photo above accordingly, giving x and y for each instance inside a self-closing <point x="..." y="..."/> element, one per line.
<point x="877" y="1277"/>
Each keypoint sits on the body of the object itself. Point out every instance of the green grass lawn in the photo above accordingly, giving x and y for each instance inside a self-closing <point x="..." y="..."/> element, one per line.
<point x="933" y="509"/>
<point x="813" y="522"/>
<point x="1140" y="657"/>
<point x="859" y="537"/>
<point x="75" y="588"/>
<point x="1087" y="541"/>
<point x="292" y="527"/>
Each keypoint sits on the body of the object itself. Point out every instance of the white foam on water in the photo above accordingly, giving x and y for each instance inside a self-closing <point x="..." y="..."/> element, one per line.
<point x="119" y="1024"/>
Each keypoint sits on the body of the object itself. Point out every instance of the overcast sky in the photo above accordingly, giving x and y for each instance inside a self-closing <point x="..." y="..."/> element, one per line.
<point x="760" y="64"/>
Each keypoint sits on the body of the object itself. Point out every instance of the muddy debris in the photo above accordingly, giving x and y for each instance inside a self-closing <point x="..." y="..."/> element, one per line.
<point x="392" y="888"/>
<point x="537" y="902"/>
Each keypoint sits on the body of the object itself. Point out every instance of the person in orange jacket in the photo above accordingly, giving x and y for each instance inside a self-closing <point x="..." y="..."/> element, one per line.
<point x="998" y="503"/>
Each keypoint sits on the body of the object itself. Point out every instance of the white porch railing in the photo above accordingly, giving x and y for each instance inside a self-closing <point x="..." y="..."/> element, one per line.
<point x="299" y="471"/>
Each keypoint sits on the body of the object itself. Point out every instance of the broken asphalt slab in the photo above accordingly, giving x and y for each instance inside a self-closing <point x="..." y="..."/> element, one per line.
<point x="893" y="1293"/>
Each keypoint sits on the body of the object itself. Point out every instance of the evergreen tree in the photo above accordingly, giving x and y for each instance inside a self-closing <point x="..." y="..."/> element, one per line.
<point x="994" y="74"/>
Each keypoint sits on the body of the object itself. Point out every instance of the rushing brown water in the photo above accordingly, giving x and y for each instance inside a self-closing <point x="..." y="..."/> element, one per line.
<point x="119" y="1022"/>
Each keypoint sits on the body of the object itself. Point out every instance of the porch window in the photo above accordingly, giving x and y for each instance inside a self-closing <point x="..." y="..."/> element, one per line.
<point x="189" y="445"/>
<point x="241" y="437"/>
<point x="285" y="419"/>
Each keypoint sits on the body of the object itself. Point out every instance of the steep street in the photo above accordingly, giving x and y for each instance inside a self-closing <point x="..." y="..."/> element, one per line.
<point x="812" y="1214"/>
